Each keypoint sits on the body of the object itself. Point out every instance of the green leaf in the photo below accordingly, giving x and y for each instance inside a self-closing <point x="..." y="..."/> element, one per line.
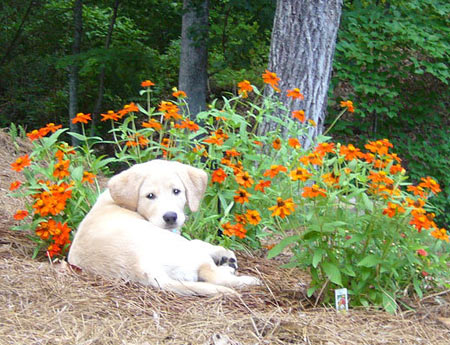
<point x="367" y="202"/>
<point x="332" y="272"/>
<point x="389" y="303"/>
<point x="283" y="244"/>
<point x="310" y="291"/>
<point x="369" y="261"/>
<point x="318" y="253"/>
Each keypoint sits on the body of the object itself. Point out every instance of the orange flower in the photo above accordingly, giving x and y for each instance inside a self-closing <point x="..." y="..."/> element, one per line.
<point x="395" y="169"/>
<point x="299" y="115"/>
<point x="348" y="105"/>
<point x="323" y="148"/>
<point x="440" y="234"/>
<point x="128" y="108"/>
<point x="380" y="147"/>
<point x="179" y="94"/>
<point x="431" y="184"/>
<point x="219" y="175"/>
<point x="50" y="127"/>
<point x="232" y="153"/>
<point x="262" y="185"/>
<point x="244" y="87"/>
<point x="312" y="122"/>
<point x="241" y="196"/>
<point x="244" y="179"/>
<point x="34" y="135"/>
<point x="237" y="230"/>
<point x="110" y="115"/>
<point x="257" y="142"/>
<point x="53" y="250"/>
<point x="147" y="83"/>
<point x="44" y="228"/>
<point x="21" y="214"/>
<point x="300" y="174"/>
<point x="380" y="177"/>
<point x="331" y="179"/>
<point x="313" y="191"/>
<point x="200" y="149"/>
<point x="152" y="124"/>
<point x="14" y="185"/>
<point x="214" y="140"/>
<point x="271" y="79"/>
<point x="392" y="209"/>
<point x="283" y="208"/>
<point x="253" y="217"/>
<point x="277" y="144"/>
<point x="295" y="93"/>
<point x="88" y="177"/>
<point x="420" y="221"/>
<point x="83" y="118"/>
<point x="21" y="163"/>
<point x="219" y="133"/>
<point x="293" y="142"/>
<point x="189" y="124"/>
<point x="350" y="152"/>
<point x="274" y="171"/>
<point x="312" y="158"/>
<point x="60" y="169"/>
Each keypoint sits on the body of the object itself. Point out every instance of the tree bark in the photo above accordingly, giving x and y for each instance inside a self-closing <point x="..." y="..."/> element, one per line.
<point x="194" y="54"/>
<point x="73" y="69"/>
<point x="301" y="54"/>
<point x="101" y="77"/>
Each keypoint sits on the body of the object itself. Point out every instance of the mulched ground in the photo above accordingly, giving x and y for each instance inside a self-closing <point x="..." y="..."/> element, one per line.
<point x="49" y="303"/>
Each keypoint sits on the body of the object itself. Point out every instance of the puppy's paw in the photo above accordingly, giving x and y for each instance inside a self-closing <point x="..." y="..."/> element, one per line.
<point x="225" y="257"/>
<point x="249" y="280"/>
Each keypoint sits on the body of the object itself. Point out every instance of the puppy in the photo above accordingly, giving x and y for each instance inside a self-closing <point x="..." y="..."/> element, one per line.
<point x="128" y="233"/>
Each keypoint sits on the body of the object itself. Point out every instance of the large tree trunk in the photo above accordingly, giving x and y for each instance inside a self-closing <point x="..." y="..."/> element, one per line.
<point x="101" y="77"/>
<point x="73" y="72"/>
<point x="194" y="54"/>
<point x="301" y="54"/>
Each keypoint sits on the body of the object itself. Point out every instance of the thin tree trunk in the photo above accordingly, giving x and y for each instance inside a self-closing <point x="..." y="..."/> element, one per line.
<point x="101" y="78"/>
<point x="12" y="45"/>
<point x="73" y="72"/>
<point x="301" y="54"/>
<point x="194" y="54"/>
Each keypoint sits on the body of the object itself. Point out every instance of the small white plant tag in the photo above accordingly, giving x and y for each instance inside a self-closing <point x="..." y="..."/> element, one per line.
<point x="341" y="298"/>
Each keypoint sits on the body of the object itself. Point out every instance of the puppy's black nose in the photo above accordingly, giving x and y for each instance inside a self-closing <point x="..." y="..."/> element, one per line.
<point x="170" y="218"/>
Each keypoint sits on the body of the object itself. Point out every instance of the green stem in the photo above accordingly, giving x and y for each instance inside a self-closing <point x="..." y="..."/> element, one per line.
<point x="334" y="122"/>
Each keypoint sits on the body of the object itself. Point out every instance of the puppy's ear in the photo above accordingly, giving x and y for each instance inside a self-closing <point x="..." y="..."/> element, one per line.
<point x="124" y="188"/>
<point x="195" y="181"/>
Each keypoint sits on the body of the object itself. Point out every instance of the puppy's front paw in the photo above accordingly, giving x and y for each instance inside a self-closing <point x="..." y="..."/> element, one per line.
<point x="249" y="280"/>
<point x="225" y="257"/>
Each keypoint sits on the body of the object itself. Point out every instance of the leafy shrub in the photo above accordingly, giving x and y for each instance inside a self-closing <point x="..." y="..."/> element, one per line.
<point x="348" y="216"/>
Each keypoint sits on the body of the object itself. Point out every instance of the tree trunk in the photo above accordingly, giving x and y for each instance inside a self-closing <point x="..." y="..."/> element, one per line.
<point x="194" y="54"/>
<point x="101" y="78"/>
<point x="73" y="72"/>
<point x="301" y="54"/>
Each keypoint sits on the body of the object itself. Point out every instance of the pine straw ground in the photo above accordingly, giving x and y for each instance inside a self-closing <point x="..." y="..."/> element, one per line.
<point x="44" y="303"/>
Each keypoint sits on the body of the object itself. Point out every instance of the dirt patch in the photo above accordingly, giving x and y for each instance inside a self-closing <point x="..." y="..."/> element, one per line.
<point x="44" y="303"/>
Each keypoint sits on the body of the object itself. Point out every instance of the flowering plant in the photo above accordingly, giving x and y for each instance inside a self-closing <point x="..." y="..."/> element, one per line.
<point x="347" y="215"/>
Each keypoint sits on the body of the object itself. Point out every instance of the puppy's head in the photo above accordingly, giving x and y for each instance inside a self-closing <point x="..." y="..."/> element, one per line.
<point x="158" y="190"/>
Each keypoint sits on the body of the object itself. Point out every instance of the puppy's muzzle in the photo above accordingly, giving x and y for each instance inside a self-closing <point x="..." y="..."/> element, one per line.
<point x="170" y="218"/>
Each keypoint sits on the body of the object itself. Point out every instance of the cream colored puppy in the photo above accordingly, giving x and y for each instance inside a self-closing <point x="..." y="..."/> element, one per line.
<point x="128" y="233"/>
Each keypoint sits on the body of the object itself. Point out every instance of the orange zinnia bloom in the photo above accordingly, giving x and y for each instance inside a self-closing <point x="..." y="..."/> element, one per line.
<point x="380" y="177"/>
<point x="88" y="177"/>
<point x="395" y="169"/>
<point x="219" y="175"/>
<point x="348" y="105"/>
<point x="274" y="171"/>
<point x="189" y="124"/>
<point x="324" y="148"/>
<point x="214" y="140"/>
<point x="262" y="185"/>
<point x="313" y="191"/>
<point x="431" y="184"/>
<point x="283" y="208"/>
<point x="60" y="169"/>
<point x="420" y="221"/>
<point x="300" y="174"/>
<point x="276" y="144"/>
<point x="392" y="209"/>
<point x="200" y="149"/>
<point x="312" y="158"/>
<point x="21" y="163"/>
<point x="440" y="234"/>
<point x="53" y="250"/>
<point x="299" y="115"/>
<point x="241" y="196"/>
<point x="14" y="185"/>
<point x="331" y="179"/>
<point x="128" y="108"/>
<point x="152" y="124"/>
<point x="237" y="230"/>
<point x="295" y="93"/>
<point x="44" y="228"/>
<point x="179" y="94"/>
<point x="253" y="217"/>
<point x="34" y="135"/>
<point x="232" y="153"/>
<point x="270" y="78"/>
<point x="244" y="87"/>
<point x="110" y="115"/>
<point x="350" y="152"/>
<point x="147" y="83"/>
<point x="83" y="118"/>
<point x="244" y="179"/>
<point x="380" y="147"/>
<point x="417" y="190"/>
<point x="21" y="214"/>
<point x="293" y="142"/>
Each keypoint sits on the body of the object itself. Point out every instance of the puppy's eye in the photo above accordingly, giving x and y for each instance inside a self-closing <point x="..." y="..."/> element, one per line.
<point x="151" y="196"/>
<point x="176" y="191"/>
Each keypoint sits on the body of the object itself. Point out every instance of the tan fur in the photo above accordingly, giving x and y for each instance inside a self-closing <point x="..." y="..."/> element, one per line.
<point x="126" y="235"/>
